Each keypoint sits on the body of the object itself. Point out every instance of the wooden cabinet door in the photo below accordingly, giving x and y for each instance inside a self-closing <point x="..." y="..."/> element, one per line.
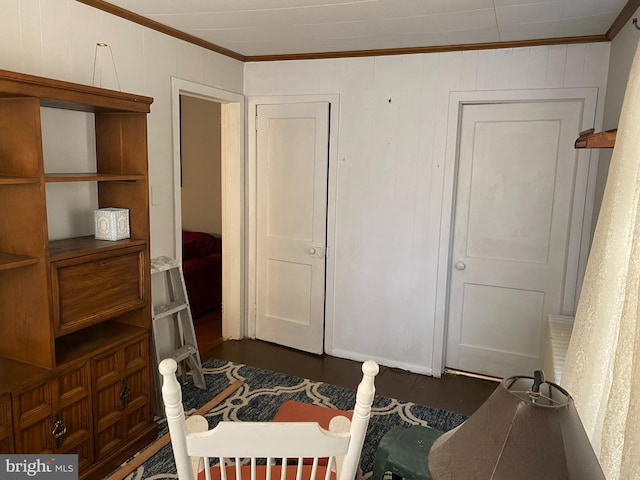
<point x="122" y="395"/>
<point x="107" y="374"/>
<point x="6" y="425"/>
<point x="74" y="411"/>
<point x="137" y="409"/>
<point x="33" y="421"/>
<point x="55" y="416"/>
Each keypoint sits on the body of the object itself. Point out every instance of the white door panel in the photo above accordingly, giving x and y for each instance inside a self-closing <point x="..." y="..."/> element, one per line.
<point x="292" y="164"/>
<point x="511" y="199"/>
<point x="515" y="187"/>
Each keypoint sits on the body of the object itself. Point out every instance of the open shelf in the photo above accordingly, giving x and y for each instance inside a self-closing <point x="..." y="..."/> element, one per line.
<point x="91" y="177"/>
<point x="73" y="247"/>
<point x="589" y="139"/>
<point x="9" y="180"/>
<point x="93" y="340"/>
<point x="9" y="261"/>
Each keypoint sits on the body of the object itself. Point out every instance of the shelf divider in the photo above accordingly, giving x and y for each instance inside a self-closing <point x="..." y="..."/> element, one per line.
<point x="10" y="260"/>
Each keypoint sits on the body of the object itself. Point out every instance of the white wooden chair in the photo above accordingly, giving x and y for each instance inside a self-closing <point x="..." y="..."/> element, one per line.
<point x="308" y="451"/>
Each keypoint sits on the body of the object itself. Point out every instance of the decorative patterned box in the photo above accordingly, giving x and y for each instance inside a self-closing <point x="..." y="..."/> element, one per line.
<point x="111" y="223"/>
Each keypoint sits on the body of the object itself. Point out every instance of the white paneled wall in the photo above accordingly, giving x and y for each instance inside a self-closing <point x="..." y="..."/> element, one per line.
<point x="392" y="146"/>
<point x="390" y="177"/>
<point x="57" y="39"/>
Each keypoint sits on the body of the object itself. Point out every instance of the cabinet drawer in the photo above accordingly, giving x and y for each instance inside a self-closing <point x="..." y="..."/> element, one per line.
<point x="94" y="288"/>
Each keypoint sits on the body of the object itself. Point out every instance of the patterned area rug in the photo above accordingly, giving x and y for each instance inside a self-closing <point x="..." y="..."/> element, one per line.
<point x="264" y="392"/>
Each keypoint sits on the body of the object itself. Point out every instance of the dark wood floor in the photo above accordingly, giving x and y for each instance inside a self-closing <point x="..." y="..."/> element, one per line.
<point x="456" y="393"/>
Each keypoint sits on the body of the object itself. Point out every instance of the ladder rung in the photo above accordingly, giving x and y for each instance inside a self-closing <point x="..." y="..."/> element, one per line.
<point x="162" y="264"/>
<point x="183" y="352"/>
<point x="167" y="309"/>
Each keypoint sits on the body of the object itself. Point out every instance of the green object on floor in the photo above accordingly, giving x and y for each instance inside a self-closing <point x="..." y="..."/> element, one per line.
<point x="404" y="452"/>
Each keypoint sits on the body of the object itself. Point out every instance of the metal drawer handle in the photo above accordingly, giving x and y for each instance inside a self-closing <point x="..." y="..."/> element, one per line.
<point x="104" y="263"/>
<point x="125" y="393"/>
<point x="59" y="430"/>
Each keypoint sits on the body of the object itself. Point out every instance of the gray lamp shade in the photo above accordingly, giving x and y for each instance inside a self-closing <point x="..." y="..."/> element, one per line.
<point x="518" y="433"/>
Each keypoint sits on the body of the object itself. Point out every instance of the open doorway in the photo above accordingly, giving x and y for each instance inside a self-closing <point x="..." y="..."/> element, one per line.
<point x="201" y="210"/>
<point x="232" y="193"/>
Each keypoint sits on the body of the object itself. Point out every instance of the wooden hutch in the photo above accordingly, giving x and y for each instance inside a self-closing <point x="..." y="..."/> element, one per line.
<point x="75" y="314"/>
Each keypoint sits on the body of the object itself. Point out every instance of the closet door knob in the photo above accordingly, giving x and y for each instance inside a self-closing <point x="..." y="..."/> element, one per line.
<point x="460" y="265"/>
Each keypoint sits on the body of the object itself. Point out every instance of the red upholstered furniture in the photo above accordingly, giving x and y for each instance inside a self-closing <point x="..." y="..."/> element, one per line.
<point x="292" y="411"/>
<point x="202" y="268"/>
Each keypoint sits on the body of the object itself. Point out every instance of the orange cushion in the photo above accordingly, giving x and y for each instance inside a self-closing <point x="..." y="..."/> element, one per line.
<point x="292" y="411"/>
<point x="261" y="473"/>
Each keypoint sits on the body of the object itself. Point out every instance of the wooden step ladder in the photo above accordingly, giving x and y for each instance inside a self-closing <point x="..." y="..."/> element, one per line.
<point x="186" y="352"/>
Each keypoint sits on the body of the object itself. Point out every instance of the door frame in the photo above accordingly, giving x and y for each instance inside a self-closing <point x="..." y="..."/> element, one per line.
<point x="252" y="224"/>
<point x="232" y="199"/>
<point x="582" y="206"/>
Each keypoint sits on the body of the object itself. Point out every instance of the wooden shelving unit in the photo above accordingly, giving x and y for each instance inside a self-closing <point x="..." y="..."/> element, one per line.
<point x="75" y="313"/>
<point x="590" y="139"/>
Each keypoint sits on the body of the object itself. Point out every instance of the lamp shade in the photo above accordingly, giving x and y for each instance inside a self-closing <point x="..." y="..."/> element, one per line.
<point x="525" y="430"/>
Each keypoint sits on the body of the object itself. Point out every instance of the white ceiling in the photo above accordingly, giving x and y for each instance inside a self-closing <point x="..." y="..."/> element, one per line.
<point x="274" y="27"/>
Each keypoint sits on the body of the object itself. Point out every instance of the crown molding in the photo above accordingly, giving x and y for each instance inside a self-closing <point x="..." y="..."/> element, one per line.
<point x="159" y="27"/>
<point x="623" y="17"/>
<point x="438" y="49"/>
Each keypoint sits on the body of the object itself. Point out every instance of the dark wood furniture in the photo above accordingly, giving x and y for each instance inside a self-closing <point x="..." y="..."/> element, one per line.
<point x="75" y="314"/>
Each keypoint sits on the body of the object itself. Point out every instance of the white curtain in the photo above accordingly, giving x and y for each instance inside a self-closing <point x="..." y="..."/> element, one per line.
<point x="602" y="368"/>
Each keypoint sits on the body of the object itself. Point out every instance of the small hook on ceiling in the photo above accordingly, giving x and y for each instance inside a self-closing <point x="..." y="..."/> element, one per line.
<point x="635" y="22"/>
